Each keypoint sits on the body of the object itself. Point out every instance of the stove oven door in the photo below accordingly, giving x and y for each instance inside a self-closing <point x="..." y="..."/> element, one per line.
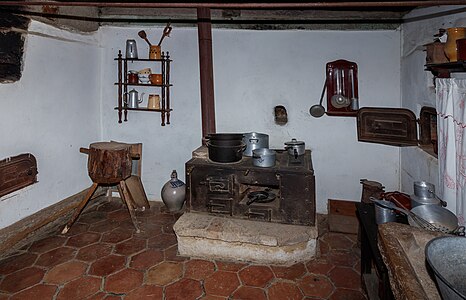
<point x="391" y="126"/>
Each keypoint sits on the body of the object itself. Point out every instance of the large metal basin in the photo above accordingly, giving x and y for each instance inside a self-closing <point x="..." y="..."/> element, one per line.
<point x="447" y="258"/>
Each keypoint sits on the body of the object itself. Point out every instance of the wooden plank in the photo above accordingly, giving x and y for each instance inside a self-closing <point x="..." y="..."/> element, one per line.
<point x="136" y="190"/>
<point x="342" y="207"/>
<point x="342" y="216"/>
<point x="41" y="223"/>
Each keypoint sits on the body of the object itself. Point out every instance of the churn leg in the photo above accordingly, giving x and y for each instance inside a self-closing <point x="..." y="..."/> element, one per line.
<point x="80" y="207"/>
<point x="125" y="196"/>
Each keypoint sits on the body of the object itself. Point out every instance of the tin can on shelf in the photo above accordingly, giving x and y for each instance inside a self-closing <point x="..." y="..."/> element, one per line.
<point x="132" y="77"/>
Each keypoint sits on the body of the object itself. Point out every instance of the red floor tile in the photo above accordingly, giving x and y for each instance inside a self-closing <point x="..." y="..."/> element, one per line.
<point x="130" y="247"/>
<point x="92" y="217"/>
<point x="319" y="266"/>
<point x="146" y="292"/>
<point x="229" y="266"/>
<point x="104" y="226"/>
<point x="249" y="293"/>
<point x="199" y="269"/>
<point x="221" y="283"/>
<point x="80" y="288"/>
<point x="94" y="252"/>
<point x="123" y="281"/>
<point x="116" y="236"/>
<point x="47" y="244"/>
<point x="39" y="291"/>
<point x="107" y="265"/>
<point x="284" y="291"/>
<point x="316" y="286"/>
<point x="22" y="279"/>
<point x="293" y="272"/>
<point x="102" y="257"/>
<point x="171" y="254"/>
<point x="65" y="272"/>
<point x="83" y="239"/>
<point x="77" y="228"/>
<point x="146" y="259"/>
<point x="17" y="262"/>
<point x="56" y="256"/>
<point x="339" y="241"/>
<point x="342" y="258"/>
<point x="164" y="273"/>
<point x="162" y="241"/>
<point x="345" y="278"/>
<point x="183" y="289"/>
<point x="346" y="294"/>
<point x="257" y="276"/>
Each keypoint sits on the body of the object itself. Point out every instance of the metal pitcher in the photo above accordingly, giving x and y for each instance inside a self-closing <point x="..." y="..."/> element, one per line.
<point x="131" y="49"/>
<point x="132" y="100"/>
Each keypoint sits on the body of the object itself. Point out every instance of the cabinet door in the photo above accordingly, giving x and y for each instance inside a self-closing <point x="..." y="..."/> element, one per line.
<point x="391" y="126"/>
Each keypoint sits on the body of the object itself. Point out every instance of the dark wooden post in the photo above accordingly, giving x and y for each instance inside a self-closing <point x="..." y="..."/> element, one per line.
<point x="204" y="30"/>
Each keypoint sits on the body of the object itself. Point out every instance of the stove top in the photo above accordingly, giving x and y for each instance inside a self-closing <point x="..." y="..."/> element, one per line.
<point x="283" y="161"/>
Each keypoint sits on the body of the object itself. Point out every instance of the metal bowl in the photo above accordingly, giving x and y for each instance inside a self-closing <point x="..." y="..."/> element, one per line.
<point x="446" y="256"/>
<point x="438" y="216"/>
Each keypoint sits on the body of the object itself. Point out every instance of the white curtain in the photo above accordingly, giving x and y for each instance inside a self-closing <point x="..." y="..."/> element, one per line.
<point x="451" y="102"/>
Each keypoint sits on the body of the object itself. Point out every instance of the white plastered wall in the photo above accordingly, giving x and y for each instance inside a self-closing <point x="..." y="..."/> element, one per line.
<point x="52" y="111"/>
<point x="253" y="72"/>
<point x="417" y="85"/>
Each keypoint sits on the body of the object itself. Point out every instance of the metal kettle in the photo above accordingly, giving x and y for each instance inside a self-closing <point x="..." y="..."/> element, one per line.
<point x="132" y="100"/>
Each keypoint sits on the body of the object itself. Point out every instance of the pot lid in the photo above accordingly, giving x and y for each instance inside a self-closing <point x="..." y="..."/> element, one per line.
<point x="294" y="142"/>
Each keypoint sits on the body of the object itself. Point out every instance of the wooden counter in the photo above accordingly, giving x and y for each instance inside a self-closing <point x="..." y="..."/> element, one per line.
<point x="402" y="249"/>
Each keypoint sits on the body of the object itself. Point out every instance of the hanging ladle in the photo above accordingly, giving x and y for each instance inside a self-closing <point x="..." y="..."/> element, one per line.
<point x="143" y="35"/>
<point x="318" y="110"/>
<point x="338" y="100"/>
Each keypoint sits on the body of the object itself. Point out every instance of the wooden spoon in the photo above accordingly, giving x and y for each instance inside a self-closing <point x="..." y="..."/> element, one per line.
<point x="143" y="35"/>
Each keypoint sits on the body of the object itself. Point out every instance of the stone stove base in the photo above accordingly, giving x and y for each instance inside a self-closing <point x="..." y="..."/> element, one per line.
<point x="213" y="237"/>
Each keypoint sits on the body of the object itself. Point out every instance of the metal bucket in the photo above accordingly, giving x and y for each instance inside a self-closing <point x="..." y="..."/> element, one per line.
<point x="383" y="214"/>
<point x="446" y="256"/>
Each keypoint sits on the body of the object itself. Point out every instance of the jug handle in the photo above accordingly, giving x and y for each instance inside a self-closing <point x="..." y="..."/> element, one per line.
<point x="142" y="98"/>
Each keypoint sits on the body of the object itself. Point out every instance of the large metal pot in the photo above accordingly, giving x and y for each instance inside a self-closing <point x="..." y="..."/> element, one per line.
<point x="254" y="140"/>
<point x="295" y="148"/>
<point x="225" y="154"/>
<point x="224" y="136"/>
<point x="263" y="157"/>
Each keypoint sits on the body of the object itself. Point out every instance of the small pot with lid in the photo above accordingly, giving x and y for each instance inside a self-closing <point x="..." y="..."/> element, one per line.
<point x="295" y="148"/>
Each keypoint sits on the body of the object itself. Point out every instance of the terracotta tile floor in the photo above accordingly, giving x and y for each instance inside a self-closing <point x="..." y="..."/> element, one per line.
<point x="102" y="258"/>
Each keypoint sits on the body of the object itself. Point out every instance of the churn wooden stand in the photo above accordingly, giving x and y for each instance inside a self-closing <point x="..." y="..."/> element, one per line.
<point x="109" y="164"/>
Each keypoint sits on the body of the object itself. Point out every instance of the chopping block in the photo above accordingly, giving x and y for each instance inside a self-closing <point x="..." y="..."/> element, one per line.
<point x="110" y="164"/>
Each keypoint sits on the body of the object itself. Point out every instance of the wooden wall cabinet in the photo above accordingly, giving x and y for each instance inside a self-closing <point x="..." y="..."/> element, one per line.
<point x="162" y="66"/>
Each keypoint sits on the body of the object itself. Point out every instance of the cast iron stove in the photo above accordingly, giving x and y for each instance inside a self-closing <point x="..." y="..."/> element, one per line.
<point x="284" y="193"/>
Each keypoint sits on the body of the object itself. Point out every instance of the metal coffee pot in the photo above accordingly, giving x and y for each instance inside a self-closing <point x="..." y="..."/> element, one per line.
<point x="132" y="100"/>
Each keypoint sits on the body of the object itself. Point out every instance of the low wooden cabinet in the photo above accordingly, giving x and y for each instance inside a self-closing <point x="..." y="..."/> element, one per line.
<point x="163" y="89"/>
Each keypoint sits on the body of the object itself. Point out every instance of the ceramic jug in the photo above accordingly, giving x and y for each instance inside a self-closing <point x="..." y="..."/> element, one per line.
<point x="453" y="34"/>
<point x="173" y="193"/>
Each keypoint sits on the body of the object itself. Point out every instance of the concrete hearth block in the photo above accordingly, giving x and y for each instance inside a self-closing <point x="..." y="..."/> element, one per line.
<point x="213" y="237"/>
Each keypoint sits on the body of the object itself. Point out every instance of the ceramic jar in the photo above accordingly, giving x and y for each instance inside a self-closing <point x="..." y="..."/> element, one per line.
<point x="173" y="193"/>
<point x="453" y="34"/>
